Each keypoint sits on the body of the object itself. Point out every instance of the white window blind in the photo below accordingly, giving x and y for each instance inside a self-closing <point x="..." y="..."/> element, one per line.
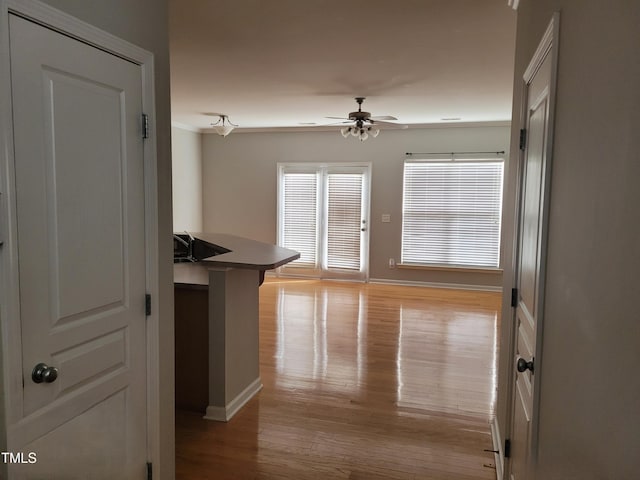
<point x="300" y="216"/>
<point x="452" y="212"/>
<point x="344" y="211"/>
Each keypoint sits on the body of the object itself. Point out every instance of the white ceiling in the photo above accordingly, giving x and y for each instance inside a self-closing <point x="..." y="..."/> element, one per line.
<point x="283" y="63"/>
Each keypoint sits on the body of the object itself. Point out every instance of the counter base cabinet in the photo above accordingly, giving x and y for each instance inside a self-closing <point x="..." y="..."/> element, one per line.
<point x="192" y="348"/>
<point x="218" y="324"/>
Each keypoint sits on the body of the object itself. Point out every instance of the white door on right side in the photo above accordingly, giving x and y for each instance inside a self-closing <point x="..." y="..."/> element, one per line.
<point x="530" y="267"/>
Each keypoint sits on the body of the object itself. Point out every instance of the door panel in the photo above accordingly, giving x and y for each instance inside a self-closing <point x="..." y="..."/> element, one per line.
<point x="90" y="434"/>
<point x="345" y="222"/>
<point x="521" y="429"/>
<point x="530" y="210"/>
<point x="529" y="267"/>
<point x="70" y="102"/>
<point x="80" y="209"/>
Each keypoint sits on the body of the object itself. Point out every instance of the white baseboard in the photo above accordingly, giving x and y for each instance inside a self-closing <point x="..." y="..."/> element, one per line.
<point x="388" y="281"/>
<point x="497" y="445"/>
<point x="455" y="286"/>
<point x="406" y="283"/>
<point x="226" y="413"/>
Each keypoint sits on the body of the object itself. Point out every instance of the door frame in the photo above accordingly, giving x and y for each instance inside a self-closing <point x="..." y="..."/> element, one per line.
<point x="327" y="168"/>
<point x="10" y="357"/>
<point x="547" y="46"/>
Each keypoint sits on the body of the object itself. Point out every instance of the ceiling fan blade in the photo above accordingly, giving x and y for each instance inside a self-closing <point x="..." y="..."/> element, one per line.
<point x="384" y="117"/>
<point x="338" y="118"/>
<point x="389" y="125"/>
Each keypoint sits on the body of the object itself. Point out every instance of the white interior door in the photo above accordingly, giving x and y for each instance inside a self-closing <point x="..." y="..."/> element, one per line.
<point x="323" y="214"/>
<point x="81" y="250"/>
<point x="530" y="266"/>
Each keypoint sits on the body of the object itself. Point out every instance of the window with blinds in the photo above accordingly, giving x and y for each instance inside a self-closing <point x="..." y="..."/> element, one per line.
<point x="452" y="213"/>
<point x="299" y="216"/>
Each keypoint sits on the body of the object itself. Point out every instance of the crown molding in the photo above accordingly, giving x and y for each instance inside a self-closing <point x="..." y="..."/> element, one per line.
<point x="414" y="126"/>
<point x="184" y="126"/>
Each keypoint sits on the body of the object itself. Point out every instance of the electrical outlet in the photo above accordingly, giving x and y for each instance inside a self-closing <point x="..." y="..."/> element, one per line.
<point x="392" y="263"/>
<point x="386" y="218"/>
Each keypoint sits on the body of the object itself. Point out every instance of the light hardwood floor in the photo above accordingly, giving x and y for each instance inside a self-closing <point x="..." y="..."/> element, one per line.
<point x="361" y="381"/>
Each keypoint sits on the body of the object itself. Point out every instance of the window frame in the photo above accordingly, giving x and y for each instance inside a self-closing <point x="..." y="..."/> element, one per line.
<point x="454" y="159"/>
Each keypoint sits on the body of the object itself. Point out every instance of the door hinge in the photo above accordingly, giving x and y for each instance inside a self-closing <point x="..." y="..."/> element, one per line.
<point x="149" y="471"/>
<point x="523" y="138"/>
<point x="147" y="304"/>
<point x="507" y="448"/>
<point x="145" y="125"/>
<point x="514" y="297"/>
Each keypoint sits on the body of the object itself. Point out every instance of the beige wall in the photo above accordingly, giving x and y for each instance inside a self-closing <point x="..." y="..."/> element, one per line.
<point x="590" y="391"/>
<point x="240" y="183"/>
<point x="186" y="148"/>
<point x="145" y="23"/>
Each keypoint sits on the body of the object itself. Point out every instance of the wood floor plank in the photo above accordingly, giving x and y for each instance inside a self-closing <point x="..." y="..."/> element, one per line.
<point x="361" y="381"/>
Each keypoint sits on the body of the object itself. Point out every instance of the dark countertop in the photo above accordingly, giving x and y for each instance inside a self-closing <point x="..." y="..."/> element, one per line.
<point x="245" y="253"/>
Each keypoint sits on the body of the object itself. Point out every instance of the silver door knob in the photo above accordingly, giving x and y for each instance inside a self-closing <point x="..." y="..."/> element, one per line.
<point x="44" y="373"/>
<point x="522" y="365"/>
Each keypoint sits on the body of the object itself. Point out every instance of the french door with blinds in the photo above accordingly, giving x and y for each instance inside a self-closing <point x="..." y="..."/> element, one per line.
<point x="323" y="213"/>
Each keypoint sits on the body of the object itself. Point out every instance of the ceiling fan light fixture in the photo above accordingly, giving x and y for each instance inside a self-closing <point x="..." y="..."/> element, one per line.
<point x="364" y="125"/>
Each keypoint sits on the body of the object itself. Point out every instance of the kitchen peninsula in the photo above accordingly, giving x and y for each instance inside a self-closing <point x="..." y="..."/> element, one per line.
<point x="216" y="280"/>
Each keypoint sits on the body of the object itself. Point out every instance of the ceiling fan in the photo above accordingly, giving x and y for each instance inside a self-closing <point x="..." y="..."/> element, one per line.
<point x="364" y="124"/>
